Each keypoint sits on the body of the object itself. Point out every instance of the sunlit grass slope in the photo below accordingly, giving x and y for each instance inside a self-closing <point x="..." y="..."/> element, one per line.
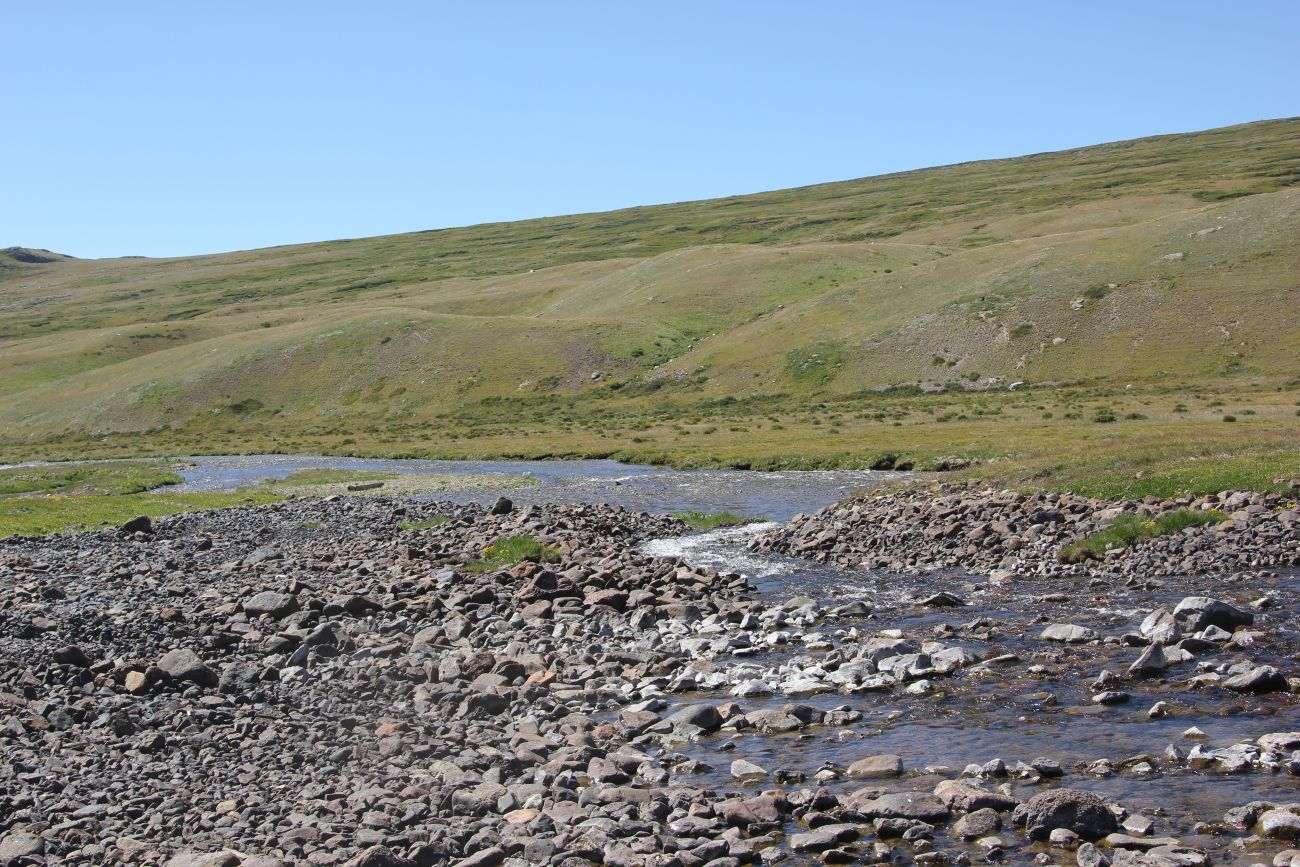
<point x="1132" y="269"/>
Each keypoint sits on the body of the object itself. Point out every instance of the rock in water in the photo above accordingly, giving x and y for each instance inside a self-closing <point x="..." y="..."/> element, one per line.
<point x="877" y="766"/>
<point x="703" y="716"/>
<point x="1261" y="678"/>
<point x="1090" y="856"/>
<point x="1198" y="612"/>
<point x="1161" y="626"/>
<point x="1280" y="824"/>
<point x="1082" y="812"/>
<point x="962" y="797"/>
<point x="503" y="506"/>
<point x="742" y="769"/>
<point x="977" y="823"/>
<point x="1151" y="662"/>
<point x="1068" y="633"/>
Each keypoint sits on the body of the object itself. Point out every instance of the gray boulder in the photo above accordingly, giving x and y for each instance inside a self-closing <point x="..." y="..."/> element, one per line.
<point x="1261" y="678"/>
<point x="277" y="605"/>
<point x="703" y="716"/>
<point x="1198" y="612"/>
<point x="185" y="664"/>
<point x="965" y="798"/>
<point x="1151" y="662"/>
<point x="1161" y="626"/>
<point x="1082" y="812"/>
<point x="1068" y="633"/>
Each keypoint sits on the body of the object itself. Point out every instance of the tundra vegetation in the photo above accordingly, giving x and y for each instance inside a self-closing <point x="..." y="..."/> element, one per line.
<point x="1119" y="320"/>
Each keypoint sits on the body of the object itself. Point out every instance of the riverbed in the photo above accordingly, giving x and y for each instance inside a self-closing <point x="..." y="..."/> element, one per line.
<point x="1037" y="704"/>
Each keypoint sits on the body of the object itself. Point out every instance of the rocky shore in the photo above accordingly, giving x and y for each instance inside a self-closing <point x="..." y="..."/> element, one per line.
<point x="990" y="531"/>
<point x="310" y="683"/>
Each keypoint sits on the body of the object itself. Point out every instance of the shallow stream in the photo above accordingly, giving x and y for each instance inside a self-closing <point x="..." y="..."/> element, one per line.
<point x="1037" y="704"/>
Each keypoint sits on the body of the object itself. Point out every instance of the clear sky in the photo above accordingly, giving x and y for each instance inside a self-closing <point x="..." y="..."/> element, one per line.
<point x="169" y="128"/>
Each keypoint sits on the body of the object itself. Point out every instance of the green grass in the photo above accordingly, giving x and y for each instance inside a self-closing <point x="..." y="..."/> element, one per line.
<point x="519" y="548"/>
<point x="41" y="515"/>
<point x="303" y="478"/>
<point x="1128" y="529"/>
<point x="435" y="521"/>
<point x="726" y="332"/>
<point x="511" y="550"/>
<point x="712" y="520"/>
<point x="125" y="477"/>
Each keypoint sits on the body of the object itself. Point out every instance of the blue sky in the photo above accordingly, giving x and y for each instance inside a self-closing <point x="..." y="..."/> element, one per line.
<point x="177" y="128"/>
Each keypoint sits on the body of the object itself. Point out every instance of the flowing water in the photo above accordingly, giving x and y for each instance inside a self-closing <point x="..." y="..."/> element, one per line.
<point x="777" y="496"/>
<point x="1015" y="713"/>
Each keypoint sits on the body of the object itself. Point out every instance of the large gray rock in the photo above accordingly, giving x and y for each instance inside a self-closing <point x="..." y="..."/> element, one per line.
<point x="477" y="800"/>
<point x="71" y="654"/>
<point x="1261" y="678"/>
<point x="1161" y="856"/>
<point x="1198" y="612"/>
<point x="262" y="555"/>
<point x="916" y="806"/>
<point x="976" y="824"/>
<point x="1151" y="662"/>
<point x="379" y="856"/>
<point x="773" y="720"/>
<point x="703" y="716"/>
<point x="823" y="838"/>
<point x="1280" y="825"/>
<point x="185" y="664"/>
<point x="20" y="844"/>
<point x="962" y="797"/>
<point x="877" y="766"/>
<point x="1280" y="742"/>
<point x="1161" y="626"/>
<point x="1082" y="812"/>
<point x="1089" y="855"/>
<point x="277" y="605"/>
<point x="204" y="859"/>
<point x="1068" y="633"/>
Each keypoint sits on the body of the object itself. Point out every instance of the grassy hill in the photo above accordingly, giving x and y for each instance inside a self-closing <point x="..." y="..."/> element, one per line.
<point x="1163" y="270"/>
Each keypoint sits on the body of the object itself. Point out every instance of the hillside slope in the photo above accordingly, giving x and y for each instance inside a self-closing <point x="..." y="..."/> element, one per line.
<point x="1173" y="259"/>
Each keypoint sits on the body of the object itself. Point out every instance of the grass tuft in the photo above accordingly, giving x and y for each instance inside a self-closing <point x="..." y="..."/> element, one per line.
<point x="327" y="476"/>
<point x="120" y="477"/>
<point x="1129" y="529"/>
<point x="435" y="521"/>
<point x="39" y="516"/>
<point x="712" y="520"/>
<point x="514" y="549"/>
